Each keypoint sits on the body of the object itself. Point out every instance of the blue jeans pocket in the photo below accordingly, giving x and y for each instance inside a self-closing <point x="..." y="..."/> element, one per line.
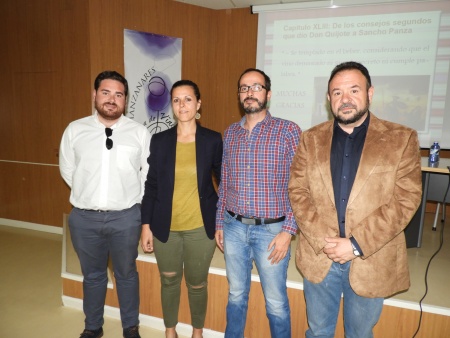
<point x="227" y="218"/>
<point x="273" y="228"/>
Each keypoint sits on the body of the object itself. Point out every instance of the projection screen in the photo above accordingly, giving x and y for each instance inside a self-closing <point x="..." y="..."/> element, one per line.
<point x="405" y="46"/>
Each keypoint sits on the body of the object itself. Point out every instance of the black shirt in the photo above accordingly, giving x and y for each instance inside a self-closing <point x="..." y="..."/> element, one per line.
<point x="345" y="155"/>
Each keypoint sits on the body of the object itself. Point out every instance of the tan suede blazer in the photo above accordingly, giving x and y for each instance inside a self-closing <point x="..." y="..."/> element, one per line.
<point x="386" y="193"/>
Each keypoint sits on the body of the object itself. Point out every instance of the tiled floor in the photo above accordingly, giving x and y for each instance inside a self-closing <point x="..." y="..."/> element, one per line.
<point x="30" y="284"/>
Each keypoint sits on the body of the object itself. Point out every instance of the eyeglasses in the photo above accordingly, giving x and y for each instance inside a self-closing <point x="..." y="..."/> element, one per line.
<point x="109" y="142"/>
<point x="254" y="88"/>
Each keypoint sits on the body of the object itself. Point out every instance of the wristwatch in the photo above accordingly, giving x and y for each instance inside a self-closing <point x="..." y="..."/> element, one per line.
<point x="355" y="250"/>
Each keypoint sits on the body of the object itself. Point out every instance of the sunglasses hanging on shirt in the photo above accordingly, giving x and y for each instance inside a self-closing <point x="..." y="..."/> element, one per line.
<point x="109" y="142"/>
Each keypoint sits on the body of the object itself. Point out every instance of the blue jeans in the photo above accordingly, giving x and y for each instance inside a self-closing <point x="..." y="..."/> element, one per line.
<point x="323" y="301"/>
<point x="244" y="244"/>
<point x="95" y="236"/>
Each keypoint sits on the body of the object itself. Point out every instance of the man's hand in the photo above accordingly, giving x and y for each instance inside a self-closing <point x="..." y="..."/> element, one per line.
<point x="146" y="238"/>
<point x="219" y="239"/>
<point x="280" y="245"/>
<point x="339" y="249"/>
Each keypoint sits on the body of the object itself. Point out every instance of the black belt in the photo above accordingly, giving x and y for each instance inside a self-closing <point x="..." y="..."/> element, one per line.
<point x="97" y="210"/>
<point x="256" y="221"/>
<point x="93" y="210"/>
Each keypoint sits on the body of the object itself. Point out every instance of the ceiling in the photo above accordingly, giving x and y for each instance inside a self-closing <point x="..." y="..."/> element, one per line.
<point x="226" y="4"/>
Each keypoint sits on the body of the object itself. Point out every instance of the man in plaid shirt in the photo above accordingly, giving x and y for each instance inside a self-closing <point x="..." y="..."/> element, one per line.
<point x="254" y="217"/>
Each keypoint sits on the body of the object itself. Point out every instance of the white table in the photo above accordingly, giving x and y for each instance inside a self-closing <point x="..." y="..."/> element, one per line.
<point x="414" y="230"/>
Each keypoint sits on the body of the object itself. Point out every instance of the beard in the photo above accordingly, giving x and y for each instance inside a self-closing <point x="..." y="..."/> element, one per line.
<point x="107" y="113"/>
<point x="352" y="118"/>
<point x="253" y="110"/>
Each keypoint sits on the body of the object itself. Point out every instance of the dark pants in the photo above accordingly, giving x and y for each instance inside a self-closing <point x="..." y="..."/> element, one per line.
<point x="95" y="236"/>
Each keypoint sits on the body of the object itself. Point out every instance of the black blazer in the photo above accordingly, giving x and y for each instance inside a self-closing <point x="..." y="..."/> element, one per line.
<point x="157" y="200"/>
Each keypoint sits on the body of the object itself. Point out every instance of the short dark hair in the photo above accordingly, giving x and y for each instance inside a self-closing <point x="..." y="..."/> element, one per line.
<point x="110" y="75"/>
<point x="266" y="77"/>
<point x="350" y="65"/>
<point x="187" y="83"/>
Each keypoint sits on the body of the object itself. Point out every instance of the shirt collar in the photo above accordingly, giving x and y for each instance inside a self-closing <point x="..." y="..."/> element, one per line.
<point x="115" y="125"/>
<point x="365" y="124"/>
<point x="266" y="120"/>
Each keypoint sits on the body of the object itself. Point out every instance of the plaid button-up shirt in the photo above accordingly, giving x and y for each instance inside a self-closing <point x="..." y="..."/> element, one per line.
<point x="255" y="170"/>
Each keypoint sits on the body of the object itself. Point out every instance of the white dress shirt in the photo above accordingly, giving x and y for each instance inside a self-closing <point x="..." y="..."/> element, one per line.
<point x="102" y="179"/>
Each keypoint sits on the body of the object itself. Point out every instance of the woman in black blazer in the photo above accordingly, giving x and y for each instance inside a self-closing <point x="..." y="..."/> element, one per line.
<point x="179" y="206"/>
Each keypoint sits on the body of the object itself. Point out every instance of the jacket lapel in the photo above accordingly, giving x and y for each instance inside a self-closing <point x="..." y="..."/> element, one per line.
<point x="322" y="148"/>
<point x="171" y="154"/>
<point x="200" y="150"/>
<point x="374" y="147"/>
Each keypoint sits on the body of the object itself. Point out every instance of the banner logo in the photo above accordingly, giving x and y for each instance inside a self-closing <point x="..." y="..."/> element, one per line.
<point x="152" y="65"/>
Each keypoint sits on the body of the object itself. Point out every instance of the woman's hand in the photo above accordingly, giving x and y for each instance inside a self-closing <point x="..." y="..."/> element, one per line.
<point x="146" y="238"/>
<point x="219" y="239"/>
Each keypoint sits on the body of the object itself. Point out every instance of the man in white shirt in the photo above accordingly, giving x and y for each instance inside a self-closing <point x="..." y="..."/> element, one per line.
<point x="103" y="159"/>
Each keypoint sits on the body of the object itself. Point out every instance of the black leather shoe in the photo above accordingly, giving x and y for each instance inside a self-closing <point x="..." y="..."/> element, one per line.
<point x="92" y="333"/>
<point x="131" y="332"/>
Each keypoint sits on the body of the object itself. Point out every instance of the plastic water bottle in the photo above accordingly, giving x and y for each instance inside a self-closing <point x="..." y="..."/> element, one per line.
<point x="434" y="153"/>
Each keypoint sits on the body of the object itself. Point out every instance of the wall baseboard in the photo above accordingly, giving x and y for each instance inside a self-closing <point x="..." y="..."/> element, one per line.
<point x="31" y="226"/>
<point x="144" y="320"/>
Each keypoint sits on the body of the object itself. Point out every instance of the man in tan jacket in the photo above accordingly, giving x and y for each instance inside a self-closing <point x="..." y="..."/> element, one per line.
<point x="355" y="185"/>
